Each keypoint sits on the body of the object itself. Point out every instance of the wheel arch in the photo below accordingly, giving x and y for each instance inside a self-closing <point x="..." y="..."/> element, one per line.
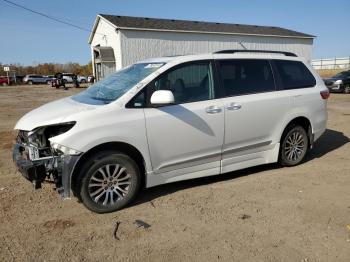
<point x="305" y="123"/>
<point x="122" y="147"/>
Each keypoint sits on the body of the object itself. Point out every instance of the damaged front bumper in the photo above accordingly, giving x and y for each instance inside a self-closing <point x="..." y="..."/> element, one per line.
<point x="55" y="168"/>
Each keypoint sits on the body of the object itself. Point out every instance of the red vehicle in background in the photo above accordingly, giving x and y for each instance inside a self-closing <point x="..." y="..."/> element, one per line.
<point x="4" y="80"/>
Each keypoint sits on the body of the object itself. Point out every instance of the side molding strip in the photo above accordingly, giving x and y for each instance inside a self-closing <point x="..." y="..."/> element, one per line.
<point x="244" y="148"/>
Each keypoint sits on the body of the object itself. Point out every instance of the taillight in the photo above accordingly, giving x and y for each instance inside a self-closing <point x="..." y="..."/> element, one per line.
<point x="325" y="94"/>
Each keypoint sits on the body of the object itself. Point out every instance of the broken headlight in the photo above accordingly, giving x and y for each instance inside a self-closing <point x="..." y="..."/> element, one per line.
<point x="41" y="135"/>
<point x="63" y="150"/>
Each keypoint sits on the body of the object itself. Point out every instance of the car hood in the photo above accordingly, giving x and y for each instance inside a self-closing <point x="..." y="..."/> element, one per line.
<point x="335" y="78"/>
<point x="330" y="80"/>
<point x="52" y="113"/>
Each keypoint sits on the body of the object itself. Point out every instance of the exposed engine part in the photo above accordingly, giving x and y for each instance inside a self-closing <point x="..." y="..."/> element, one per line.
<point x="35" y="157"/>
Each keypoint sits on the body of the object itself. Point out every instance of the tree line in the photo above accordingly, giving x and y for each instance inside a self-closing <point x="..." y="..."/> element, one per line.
<point x="48" y="69"/>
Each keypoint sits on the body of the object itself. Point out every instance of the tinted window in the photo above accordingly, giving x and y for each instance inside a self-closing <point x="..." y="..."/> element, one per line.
<point x="189" y="83"/>
<point x="139" y="101"/>
<point x="294" y="74"/>
<point x="246" y="76"/>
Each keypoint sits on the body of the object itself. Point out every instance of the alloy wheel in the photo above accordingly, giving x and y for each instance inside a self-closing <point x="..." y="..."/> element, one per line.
<point x="347" y="89"/>
<point x="294" y="146"/>
<point x="109" y="184"/>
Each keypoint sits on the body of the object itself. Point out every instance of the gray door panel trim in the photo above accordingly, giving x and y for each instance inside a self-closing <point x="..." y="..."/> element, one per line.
<point x="244" y="148"/>
<point x="189" y="162"/>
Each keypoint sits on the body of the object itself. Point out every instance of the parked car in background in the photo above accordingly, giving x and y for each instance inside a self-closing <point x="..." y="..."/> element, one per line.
<point x="19" y="79"/>
<point x="170" y="119"/>
<point x="36" y="79"/>
<point x="68" y="78"/>
<point x="82" y="79"/>
<point x="4" y="80"/>
<point x="49" y="79"/>
<point x="339" y="83"/>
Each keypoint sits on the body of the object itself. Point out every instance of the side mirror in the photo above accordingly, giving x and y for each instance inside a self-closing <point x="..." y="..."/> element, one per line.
<point x="162" y="97"/>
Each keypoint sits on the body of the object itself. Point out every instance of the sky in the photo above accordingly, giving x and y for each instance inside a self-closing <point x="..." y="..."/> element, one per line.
<point x="29" y="39"/>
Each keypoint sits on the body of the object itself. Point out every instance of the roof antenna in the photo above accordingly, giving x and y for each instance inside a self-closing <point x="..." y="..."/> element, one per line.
<point x="242" y="46"/>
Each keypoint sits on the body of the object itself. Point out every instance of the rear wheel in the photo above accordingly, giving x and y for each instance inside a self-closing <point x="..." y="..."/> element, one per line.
<point x="294" y="146"/>
<point x="4" y="84"/>
<point x="30" y="82"/>
<point x="108" y="182"/>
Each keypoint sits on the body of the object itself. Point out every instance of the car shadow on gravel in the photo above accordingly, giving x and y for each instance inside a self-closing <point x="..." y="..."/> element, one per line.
<point x="149" y="194"/>
<point x="329" y="141"/>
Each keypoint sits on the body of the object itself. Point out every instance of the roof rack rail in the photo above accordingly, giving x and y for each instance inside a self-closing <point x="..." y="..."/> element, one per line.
<point x="232" y="51"/>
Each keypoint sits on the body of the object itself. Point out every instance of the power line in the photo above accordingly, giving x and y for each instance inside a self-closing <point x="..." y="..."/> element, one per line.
<point x="47" y="16"/>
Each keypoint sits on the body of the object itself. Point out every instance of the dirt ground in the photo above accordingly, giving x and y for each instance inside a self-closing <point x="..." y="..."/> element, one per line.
<point x="327" y="73"/>
<point x="265" y="213"/>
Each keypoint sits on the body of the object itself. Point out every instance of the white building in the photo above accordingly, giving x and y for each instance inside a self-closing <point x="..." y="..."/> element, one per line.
<point x="118" y="41"/>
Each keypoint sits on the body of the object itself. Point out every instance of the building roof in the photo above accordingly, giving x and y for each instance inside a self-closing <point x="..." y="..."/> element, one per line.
<point x="145" y="23"/>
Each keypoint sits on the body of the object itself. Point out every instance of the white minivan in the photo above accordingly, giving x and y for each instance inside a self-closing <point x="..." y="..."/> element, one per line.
<point x="173" y="118"/>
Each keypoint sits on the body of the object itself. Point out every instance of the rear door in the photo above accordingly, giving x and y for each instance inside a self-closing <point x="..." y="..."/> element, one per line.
<point x="42" y="79"/>
<point x="254" y="111"/>
<point x="38" y="79"/>
<point x="296" y="80"/>
<point x="185" y="139"/>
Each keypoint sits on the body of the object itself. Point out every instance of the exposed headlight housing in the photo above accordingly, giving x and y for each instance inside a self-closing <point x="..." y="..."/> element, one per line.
<point x="63" y="150"/>
<point x="338" y="82"/>
<point x="41" y="135"/>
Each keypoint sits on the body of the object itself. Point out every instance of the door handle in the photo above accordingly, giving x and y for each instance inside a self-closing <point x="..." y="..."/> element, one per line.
<point x="233" y="106"/>
<point x="213" y="109"/>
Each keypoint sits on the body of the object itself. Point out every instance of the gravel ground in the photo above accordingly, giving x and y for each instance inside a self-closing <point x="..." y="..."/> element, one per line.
<point x="266" y="213"/>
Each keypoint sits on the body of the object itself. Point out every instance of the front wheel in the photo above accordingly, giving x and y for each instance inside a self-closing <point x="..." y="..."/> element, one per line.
<point x="108" y="182"/>
<point x="294" y="146"/>
<point x="347" y="89"/>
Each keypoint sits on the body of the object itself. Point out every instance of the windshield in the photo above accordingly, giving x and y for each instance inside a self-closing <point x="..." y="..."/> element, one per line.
<point x="114" y="86"/>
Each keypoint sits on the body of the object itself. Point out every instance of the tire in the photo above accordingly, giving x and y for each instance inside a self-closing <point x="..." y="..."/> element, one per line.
<point x="83" y="81"/>
<point x="4" y="84"/>
<point x="30" y="82"/>
<point x="347" y="89"/>
<point x="294" y="146"/>
<point x="99" y="190"/>
<point x="48" y="82"/>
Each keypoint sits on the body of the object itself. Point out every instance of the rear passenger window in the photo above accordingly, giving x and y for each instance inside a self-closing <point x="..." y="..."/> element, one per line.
<point x="294" y="74"/>
<point x="247" y="76"/>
